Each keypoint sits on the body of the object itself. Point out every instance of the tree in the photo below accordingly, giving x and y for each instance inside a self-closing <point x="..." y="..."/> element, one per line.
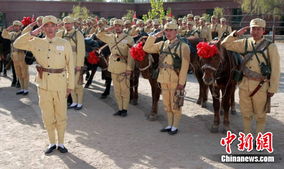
<point x="157" y="10"/>
<point x="206" y="16"/>
<point x="219" y="12"/>
<point x="129" y="14"/>
<point x="263" y="7"/>
<point x="80" y="12"/>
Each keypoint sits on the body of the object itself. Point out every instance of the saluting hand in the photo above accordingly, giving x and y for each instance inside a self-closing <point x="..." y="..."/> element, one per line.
<point x="10" y="28"/>
<point x="159" y="34"/>
<point x="242" y="31"/>
<point x="37" y="31"/>
<point x="33" y="24"/>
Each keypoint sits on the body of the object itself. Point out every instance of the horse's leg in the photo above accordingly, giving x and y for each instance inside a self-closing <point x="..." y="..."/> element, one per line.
<point x="156" y="91"/>
<point x="90" y="79"/>
<point x="107" y="85"/>
<point x="233" y="104"/>
<point x="202" y="98"/>
<point x="216" y="105"/>
<point x="134" y="80"/>
<point x="226" y="103"/>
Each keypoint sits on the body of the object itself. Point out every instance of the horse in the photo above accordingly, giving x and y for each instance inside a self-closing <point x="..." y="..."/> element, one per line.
<point x="218" y="75"/>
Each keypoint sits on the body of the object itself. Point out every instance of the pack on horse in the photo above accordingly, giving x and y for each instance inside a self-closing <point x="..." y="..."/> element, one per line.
<point x="218" y="66"/>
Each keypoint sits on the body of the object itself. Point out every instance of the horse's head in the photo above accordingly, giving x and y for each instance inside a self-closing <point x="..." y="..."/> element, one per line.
<point x="210" y="60"/>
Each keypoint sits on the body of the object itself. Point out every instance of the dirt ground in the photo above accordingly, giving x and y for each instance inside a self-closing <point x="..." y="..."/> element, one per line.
<point x="97" y="139"/>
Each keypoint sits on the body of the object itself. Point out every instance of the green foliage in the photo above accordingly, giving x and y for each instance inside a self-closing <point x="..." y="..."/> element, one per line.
<point x="129" y="14"/>
<point x="219" y="12"/>
<point x="157" y="10"/>
<point x="206" y="16"/>
<point x="80" y="12"/>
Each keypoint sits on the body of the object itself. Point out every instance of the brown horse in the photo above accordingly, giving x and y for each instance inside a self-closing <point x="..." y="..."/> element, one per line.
<point x="218" y="74"/>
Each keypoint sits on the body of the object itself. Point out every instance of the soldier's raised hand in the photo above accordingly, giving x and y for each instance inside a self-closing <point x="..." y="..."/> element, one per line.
<point x="37" y="31"/>
<point x="242" y="31"/>
<point x="10" y="28"/>
<point x="33" y="24"/>
<point x="159" y="34"/>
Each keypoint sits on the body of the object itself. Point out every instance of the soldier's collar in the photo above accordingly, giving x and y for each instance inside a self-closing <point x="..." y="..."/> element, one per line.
<point x="173" y="41"/>
<point x="258" y="41"/>
<point x="51" y="40"/>
<point x="72" y="31"/>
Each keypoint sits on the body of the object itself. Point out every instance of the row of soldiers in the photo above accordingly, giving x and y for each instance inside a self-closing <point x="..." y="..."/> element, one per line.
<point x="60" y="63"/>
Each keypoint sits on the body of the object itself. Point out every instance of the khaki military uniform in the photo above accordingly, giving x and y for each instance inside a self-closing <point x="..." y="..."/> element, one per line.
<point x="168" y="78"/>
<point x="120" y="61"/>
<point x="205" y="33"/>
<point x="18" y="57"/>
<point x="255" y="105"/>
<point x="223" y="29"/>
<point x="53" y="53"/>
<point x="148" y="29"/>
<point x="215" y="29"/>
<point x="77" y="42"/>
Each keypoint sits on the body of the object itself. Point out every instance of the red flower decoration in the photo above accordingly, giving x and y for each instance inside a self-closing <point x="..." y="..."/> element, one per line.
<point x="137" y="52"/>
<point x="205" y="50"/>
<point x="27" y="20"/>
<point x="93" y="58"/>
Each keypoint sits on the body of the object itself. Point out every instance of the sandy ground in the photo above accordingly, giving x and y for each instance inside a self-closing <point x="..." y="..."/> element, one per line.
<point x="96" y="139"/>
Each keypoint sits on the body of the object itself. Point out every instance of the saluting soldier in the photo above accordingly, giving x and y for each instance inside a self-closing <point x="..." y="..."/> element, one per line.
<point x="261" y="70"/>
<point x="172" y="77"/>
<point x="205" y="31"/>
<point x="225" y="29"/>
<point x="120" y="63"/>
<point x="190" y="32"/>
<point x="77" y="42"/>
<point x="55" y="77"/>
<point x="149" y="26"/>
<point x="18" y="56"/>
<point x="127" y="27"/>
<point x="215" y="27"/>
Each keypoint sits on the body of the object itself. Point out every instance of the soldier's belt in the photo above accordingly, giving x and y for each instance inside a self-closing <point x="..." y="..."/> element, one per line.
<point x="53" y="70"/>
<point x="166" y="66"/>
<point x="74" y="48"/>
<point x="253" y="75"/>
<point x="118" y="58"/>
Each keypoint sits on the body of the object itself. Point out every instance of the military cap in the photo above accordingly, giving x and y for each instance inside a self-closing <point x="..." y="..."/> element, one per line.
<point x="197" y="17"/>
<point x="127" y="22"/>
<point x="202" y="19"/>
<point x="138" y="22"/>
<point x="68" y="19"/>
<point x="189" y="16"/>
<point x="223" y="19"/>
<point x="257" y="22"/>
<point x="156" y="22"/>
<point x="39" y="18"/>
<point x="213" y="17"/>
<point x="171" y="25"/>
<point x="17" y="23"/>
<point x="49" y="18"/>
<point x="190" y="22"/>
<point x="118" y="22"/>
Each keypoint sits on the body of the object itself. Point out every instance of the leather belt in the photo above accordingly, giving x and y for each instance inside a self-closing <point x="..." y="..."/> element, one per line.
<point x="53" y="70"/>
<point x="257" y="88"/>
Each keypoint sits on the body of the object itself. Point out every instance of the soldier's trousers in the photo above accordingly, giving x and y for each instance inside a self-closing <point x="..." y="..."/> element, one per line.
<point x="78" y="93"/>
<point x="168" y="93"/>
<point x="22" y="73"/>
<point x="253" y="107"/>
<point x="53" y="107"/>
<point x="121" y="86"/>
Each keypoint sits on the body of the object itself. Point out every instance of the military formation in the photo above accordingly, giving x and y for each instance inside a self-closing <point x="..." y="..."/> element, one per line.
<point x="59" y="50"/>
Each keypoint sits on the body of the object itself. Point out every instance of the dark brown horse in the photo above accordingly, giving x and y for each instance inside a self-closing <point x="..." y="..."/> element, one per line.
<point x="146" y="67"/>
<point x="218" y="75"/>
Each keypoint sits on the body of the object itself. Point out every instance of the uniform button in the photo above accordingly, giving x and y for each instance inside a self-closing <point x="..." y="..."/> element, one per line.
<point x="47" y="57"/>
<point x="50" y="42"/>
<point x="48" y="74"/>
<point x="48" y="66"/>
<point x="48" y="49"/>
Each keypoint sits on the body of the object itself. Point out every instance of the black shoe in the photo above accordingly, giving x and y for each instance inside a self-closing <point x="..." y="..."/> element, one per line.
<point x="78" y="108"/>
<point x="165" y="130"/>
<point x="26" y="93"/>
<point x="20" y="92"/>
<point x="123" y="113"/>
<point x="118" y="113"/>
<point x="50" y="149"/>
<point x="71" y="107"/>
<point x="87" y="85"/>
<point x="173" y="132"/>
<point x="18" y="85"/>
<point x="62" y="150"/>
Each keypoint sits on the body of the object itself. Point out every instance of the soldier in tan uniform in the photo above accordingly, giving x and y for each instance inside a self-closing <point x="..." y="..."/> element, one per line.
<point x="77" y="42"/>
<point x="196" y="21"/>
<point x="149" y="26"/>
<point x="171" y="79"/>
<point x="190" y="32"/>
<point x="215" y="27"/>
<point x="127" y="27"/>
<point x="120" y="63"/>
<point x="225" y="29"/>
<point x="18" y="56"/>
<point x="205" y="31"/>
<point x="255" y="87"/>
<point x="55" y="77"/>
